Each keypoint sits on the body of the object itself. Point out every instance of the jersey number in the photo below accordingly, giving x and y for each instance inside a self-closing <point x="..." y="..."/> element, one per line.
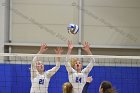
<point x="78" y="80"/>
<point x="41" y="81"/>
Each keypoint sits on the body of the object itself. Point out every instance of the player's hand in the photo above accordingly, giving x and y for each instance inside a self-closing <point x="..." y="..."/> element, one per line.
<point x="86" y="48"/>
<point x="70" y="45"/>
<point x="43" y="48"/>
<point x="89" y="79"/>
<point x="58" y="50"/>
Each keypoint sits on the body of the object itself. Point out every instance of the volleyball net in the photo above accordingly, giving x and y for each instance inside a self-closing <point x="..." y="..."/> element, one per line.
<point x="122" y="71"/>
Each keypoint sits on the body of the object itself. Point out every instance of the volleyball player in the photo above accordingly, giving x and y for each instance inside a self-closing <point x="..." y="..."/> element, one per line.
<point x="39" y="77"/>
<point x="67" y="87"/>
<point x="77" y="75"/>
<point x="106" y="87"/>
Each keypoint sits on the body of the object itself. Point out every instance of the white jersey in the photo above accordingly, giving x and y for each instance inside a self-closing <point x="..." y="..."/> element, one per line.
<point x="40" y="82"/>
<point x="78" y="80"/>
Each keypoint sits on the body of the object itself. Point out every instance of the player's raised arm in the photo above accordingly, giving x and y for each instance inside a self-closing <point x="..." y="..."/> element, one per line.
<point x="67" y="64"/>
<point x="86" y="48"/>
<point x="36" y="60"/>
<point x="52" y="71"/>
<point x="88" y="81"/>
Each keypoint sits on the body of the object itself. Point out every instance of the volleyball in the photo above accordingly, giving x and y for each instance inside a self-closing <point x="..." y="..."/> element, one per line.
<point x="73" y="28"/>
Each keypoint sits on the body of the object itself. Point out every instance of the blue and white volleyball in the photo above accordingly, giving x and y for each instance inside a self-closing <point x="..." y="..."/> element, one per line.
<point x="73" y="28"/>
